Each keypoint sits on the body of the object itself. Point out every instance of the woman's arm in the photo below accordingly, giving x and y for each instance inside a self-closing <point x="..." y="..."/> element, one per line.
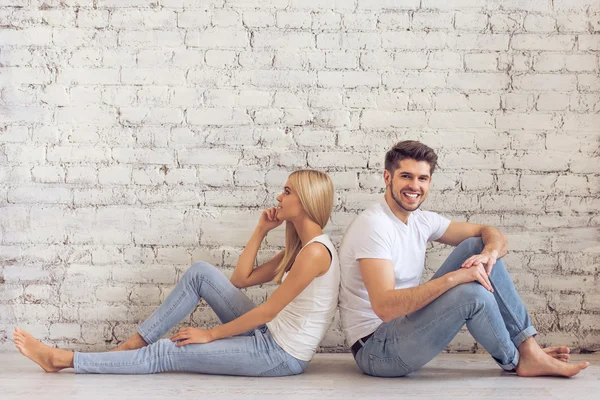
<point x="245" y="274"/>
<point x="313" y="261"/>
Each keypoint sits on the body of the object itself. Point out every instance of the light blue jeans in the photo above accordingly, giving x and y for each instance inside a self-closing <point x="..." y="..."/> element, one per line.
<point x="253" y="353"/>
<point x="498" y="321"/>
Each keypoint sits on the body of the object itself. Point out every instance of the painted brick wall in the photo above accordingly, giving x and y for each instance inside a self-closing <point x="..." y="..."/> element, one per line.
<point x="137" y="136"/>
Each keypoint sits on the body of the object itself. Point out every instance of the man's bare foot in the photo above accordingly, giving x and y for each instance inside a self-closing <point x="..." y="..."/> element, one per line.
<point x="49" y="358"/>
<point x="534" y="361"/>
<point x="561" y="353"/>
<point x="133" y="343"/>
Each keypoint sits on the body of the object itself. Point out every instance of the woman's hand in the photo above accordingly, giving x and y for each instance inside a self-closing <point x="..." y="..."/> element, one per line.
<point x="268" y="220"/>
<point x="192" y="335"/>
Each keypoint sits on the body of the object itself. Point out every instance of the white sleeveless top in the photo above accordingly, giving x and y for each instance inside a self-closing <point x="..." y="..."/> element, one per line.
<point x="301" y="326"/>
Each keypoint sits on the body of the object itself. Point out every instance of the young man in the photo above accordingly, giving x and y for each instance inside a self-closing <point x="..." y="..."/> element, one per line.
<point x="393" y="323"/>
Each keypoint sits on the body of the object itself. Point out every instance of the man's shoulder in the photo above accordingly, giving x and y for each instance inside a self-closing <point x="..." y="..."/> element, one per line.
<point x="373" y="216"/>
<point x="371" y="222"/>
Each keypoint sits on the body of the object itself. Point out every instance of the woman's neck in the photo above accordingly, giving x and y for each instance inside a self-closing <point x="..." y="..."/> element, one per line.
<point x="307" y="229"/>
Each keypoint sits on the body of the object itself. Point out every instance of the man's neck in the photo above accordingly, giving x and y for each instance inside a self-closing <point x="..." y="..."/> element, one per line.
<point x="398" y="211"/>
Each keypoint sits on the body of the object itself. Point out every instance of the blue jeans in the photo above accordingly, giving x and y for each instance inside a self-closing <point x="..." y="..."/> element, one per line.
<point x="498" y="321"/>
<point x="253" y="353"/>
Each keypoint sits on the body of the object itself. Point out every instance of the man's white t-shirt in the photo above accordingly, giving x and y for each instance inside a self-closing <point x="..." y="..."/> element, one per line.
<point x="378" y="233"/>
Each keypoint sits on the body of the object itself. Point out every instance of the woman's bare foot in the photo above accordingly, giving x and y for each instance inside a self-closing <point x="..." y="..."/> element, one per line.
<point x="534" y="361"/>
<point x="561" y="353"/>
<point x="49" y="358"/>
<point x="133" y="343"/>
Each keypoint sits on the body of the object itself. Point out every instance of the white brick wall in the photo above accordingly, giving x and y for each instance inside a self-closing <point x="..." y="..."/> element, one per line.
<point x="139" y="136"/>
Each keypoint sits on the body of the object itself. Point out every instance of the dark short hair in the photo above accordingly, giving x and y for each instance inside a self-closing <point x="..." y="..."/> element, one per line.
<point x="409" y="149"/>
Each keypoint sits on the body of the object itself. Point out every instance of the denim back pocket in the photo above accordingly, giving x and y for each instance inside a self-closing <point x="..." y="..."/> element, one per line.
<point x="387" y="366"/>
<point x="281" y="370"/>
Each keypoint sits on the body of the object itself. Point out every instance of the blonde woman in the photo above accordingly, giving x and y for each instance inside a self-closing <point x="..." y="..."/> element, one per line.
<point x="276" y="338"/>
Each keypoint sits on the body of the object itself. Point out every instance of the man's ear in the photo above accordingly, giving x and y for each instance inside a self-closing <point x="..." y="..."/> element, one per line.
<point x="387" y="177"/>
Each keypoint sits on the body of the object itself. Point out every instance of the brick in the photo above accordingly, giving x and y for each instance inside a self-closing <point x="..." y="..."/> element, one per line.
<point x="413" y="40"/>
<point x="552" y="101"/>
<point x="48" y="174"/>
<point x="466" y="160"/>
<point x="336" y="159"/>
<point x="92" y="18"/>
<point x="218" y="38"/>
<point x="588" y="42"/>
<point x="481" y="62"/>
<point x="471" y="21"/>
<point x="287" y="40"/>
<point x="543" y="161"/>
<point x="341" y="60"/>
<point x="88" y="76"/>
<point x="414" y="80"/>
<point x="471" y="41"/>
<point x="539" y="23"/>
<point x="349" y="79"/>
<point x="315" y="138"/>
<point x="208" y="157"/>
<point x="582" y="122"/>
<point x="152" y="76"/>
<point x="543" y="42"/>
<point x="581" y="62"/>
<point x="293" y="19"/>
<point x="35" y="36"/>
<point x="567" y="284"/>
<point x="390" y="119"/>
<point x="218" y="116"/>
<point x="445" y="60"/>
<point x="142" y="156"/>
<point x="571" y="23"/>
<point x="432" y="20"/>
<point x="361" y="21"/>
<point x="527" y="121"/>
<point x="258" y="19"/>
<point x="549" y="62"/>
<point x="278" y="79"/>
<point x="134" y="19"/>
<point x="460" y="120"/>
<point x="477" y="81"/>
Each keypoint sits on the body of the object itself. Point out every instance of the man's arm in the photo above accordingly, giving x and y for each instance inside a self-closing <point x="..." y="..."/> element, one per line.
<point x="492" y="238"/>
<point x="495" y="243"/>
<point x="390" y="303"/>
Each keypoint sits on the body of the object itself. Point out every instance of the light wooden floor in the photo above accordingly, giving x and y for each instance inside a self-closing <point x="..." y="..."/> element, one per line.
<point x="330" y="376"/>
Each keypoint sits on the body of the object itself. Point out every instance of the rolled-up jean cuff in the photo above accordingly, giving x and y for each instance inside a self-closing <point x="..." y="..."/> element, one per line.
<point x="76" y="362"/>
<point x="145" y="336"/>
<point x="511" y="366"/>
<point x="524" y="335"/>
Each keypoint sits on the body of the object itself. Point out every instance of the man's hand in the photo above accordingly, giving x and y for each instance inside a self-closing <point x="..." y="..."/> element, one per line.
<point x="488" y="259"/>
<point x="192" y="335"/>
<point x="474" y="273"/>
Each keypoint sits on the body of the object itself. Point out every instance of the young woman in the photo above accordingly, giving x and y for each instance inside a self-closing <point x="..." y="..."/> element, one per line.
<point x="276" y="338"/>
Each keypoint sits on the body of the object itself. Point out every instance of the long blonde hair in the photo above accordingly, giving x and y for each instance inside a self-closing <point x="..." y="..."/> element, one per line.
<point x="315" y="191"/>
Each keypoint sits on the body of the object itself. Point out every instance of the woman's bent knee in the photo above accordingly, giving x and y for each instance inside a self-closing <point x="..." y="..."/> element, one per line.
<point x="200" y="268"/>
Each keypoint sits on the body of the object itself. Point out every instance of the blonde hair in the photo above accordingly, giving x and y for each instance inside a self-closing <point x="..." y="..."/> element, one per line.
<point x="315" y="191"/>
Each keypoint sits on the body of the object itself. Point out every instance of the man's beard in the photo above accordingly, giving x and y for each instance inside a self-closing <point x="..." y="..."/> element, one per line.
<point x="400" y="202"/>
